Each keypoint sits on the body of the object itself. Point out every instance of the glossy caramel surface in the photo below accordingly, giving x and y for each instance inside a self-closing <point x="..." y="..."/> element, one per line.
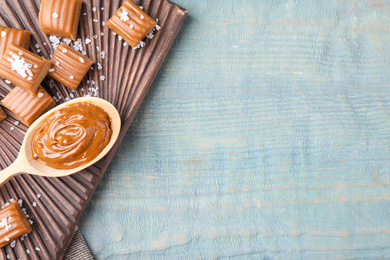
<point x="60" y="17"/>
<point x="131" y="23"/>
<point x="69" y="67"/>
<point x="72" y="136"/>
<point x="37" y="66"/>
<point x="28" y="107"/>
<point x="13" y="223"/>
<point x="16" y="36"/>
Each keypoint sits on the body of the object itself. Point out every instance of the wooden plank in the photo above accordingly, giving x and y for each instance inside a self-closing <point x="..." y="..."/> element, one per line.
<point x="264" y="135"/>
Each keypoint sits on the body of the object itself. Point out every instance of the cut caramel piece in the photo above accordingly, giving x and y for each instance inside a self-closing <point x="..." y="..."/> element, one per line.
<point x="131" y="23"/>
<point x="60" y="17"/>
<point x="16" y="36"/>
<point x="28" y="107"/>
<point x="69" y="66"/>
<point x="13" y="223"/>
<point x="2" y="115"/>
<point x="23" y="68"/>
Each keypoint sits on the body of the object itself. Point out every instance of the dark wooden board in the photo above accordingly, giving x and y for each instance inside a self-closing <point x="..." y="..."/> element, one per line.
<point x="129" y="74"/>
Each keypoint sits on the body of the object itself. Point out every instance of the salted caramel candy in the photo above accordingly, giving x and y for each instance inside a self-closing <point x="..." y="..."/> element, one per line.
<point x="131" y="23"/>
<point x="13" y="223"/>
<point x="16" y="36"/>
<point x="60" y="17"/>
<point x="69" y="66"/>
<point x="2" y="115"/>
<point x="23" y="68"/>
<point x="28" y="107"/>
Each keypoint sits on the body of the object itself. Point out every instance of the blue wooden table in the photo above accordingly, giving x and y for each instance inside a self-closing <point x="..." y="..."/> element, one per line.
<point x="265" y="135"/>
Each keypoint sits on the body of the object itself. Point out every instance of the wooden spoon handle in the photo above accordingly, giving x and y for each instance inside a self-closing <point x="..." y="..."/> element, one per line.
<point x="11" y="171"/>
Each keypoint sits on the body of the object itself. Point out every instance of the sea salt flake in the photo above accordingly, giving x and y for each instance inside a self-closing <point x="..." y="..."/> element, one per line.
<point x="142" y="17"/>
<point x="38" y="249"/>
<point x="55" y="41"/>
<point x="81" y="60"/>
<point x="158" y="27"/>
<point x="99" y="66"/>
<point x="95" y="20"/>
<point x="150" y="35"/>
<point x="102" y="78"/>
<point x="102" y="8"/>
<point x="141" y="7"/>
<point x="123" y="15"/>
<point x="38" y="195"/>
<point x="38" y="50"/>
<point x="40" y="94"/>
<point x="27" y="251"/>
<point x="57" y="63"/>
<point x="71" y="77"/>
<point x="84" y="53"/>
<point x="7" y="81"/>
<point x="125" y="44"/>
<point x="95" y="37"/>
<point x="119" y="38"/>
<point x="16" y="123"/>
<point x="131" y="26"/>
<point x="102" y="33"/>
<point x="55" y="15"/>
<point x="87" y="41"/>
<point x="20" y="65"/>
<point x="103" y="23"/>
<point x="20" y="53"/>
<point x="67" y="40"/>
<point x="36" y="46"/>
<point x="12" y="128"/>
<point x="35" y="66"/>
<point x="29" y="78"/>
<point x="13" y="244"/>
<point x="94" y="9"/>
<point x="6" y="238"/>
<point x="3" y="34"/>
<point x="51" y="70"/>
<point x="67" y="98"/>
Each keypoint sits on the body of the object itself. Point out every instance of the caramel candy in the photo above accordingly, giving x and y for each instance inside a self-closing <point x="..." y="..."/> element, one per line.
<point x="131" y="23"/>
<point x="28" y="107"/>
<point x="23" y="68"/>
<point x="16" y="36"/>
<point x="60" y="17"/>
<point x="2" y="115"/>
<point x="13" y="223"/>
<point x="69" y="66"/>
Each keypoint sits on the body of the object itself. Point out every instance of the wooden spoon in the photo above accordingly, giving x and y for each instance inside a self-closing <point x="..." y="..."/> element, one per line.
<point x="25" y="163"/>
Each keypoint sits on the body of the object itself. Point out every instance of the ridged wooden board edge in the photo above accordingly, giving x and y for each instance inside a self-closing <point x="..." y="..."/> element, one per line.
<point x="128" y="76"/>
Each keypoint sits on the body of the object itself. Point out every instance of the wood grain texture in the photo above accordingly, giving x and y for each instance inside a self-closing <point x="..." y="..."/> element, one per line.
<point x="264" y="136"/>
<point x="56" y="204"/>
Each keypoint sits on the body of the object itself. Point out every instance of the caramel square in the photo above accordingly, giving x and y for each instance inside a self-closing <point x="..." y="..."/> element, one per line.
<point x="69" y="66"/>
<point x="131" y="23"/>
<point x="13" y="223"/>
<point x="2" y="115"/>
<point x="16" y="36"/>
<point x="60" y="17"/>
<point x="23" y="68"/>
<point x="28" y="107"/>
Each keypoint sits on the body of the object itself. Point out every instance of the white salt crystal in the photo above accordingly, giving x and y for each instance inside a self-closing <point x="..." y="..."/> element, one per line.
<point x="55" y="15"/>
<point x="3" y="34"/>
